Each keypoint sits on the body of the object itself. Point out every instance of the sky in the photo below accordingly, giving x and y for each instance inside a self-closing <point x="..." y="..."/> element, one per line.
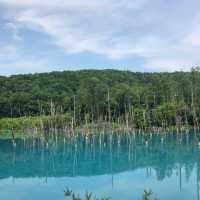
<point x="136" y="35"/>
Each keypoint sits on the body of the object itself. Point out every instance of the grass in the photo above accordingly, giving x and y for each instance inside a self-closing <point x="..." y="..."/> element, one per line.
<point x="23" y="125"/>
<point x="147" y="195"/>
<point x="31" y="126"/>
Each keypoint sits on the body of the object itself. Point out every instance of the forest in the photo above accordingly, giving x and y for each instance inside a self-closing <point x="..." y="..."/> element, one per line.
<point x="89" y="96"/>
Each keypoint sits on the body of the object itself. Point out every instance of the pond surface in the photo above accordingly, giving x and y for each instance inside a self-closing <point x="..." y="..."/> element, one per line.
<point x="119" y="166"/>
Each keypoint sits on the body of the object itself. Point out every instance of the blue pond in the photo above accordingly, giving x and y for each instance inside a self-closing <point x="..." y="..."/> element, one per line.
<point x="114" y="165"/>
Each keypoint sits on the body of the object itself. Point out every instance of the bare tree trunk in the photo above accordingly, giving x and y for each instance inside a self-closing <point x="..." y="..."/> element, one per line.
<point x="109" y="112"/>
<point x="74" y="118"/>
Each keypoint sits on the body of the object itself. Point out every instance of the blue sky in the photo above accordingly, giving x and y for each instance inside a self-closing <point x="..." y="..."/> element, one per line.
<point x="136" y="35"/>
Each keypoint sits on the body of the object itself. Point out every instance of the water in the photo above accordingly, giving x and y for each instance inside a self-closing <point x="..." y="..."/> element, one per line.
<point x="120" y="166"/>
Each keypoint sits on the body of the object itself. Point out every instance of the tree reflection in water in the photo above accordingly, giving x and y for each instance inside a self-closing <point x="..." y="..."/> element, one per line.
<point x="98" y="154"/>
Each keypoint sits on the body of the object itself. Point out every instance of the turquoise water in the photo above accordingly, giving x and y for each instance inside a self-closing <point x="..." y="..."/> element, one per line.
<point x="119" y="166"/>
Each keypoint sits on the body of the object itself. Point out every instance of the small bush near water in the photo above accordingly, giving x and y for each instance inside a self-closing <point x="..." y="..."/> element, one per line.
<point x="147" y="195"/>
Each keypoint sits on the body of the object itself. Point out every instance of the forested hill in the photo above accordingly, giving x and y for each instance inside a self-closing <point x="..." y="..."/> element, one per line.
<point x="148" y="98"/>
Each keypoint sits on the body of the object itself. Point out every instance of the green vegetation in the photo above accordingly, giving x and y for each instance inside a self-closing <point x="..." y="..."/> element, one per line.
<point x="77" y="98"/>
<point x="147" y="195"/>
<point x="40" y="122"/>
<point x="27" y="126"/>
<point x="88" y="196"/>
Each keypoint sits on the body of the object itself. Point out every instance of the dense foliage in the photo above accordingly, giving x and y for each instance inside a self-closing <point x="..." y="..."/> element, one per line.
<point x="139" y="99"/>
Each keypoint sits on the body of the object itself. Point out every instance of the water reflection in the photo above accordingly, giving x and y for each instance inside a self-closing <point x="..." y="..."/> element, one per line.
<point x="100" y="154"/>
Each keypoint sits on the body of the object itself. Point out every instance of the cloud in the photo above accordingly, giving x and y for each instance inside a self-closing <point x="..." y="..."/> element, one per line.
<point x="193" y="37"/>
<point x="82" y="30"/>
<point x="46" y="4"/>
<point x="69" y="35"/>
<point x="75" y="4"/>
<point x="165" y="36"/>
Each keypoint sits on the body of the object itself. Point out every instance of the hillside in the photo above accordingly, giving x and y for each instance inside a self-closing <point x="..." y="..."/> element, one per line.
<point x="142" y="98"/>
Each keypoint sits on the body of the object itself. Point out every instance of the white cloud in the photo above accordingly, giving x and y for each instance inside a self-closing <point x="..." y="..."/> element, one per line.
<point x="74" y="36"/>
<point x="166" y="39"/>
<point x="52" y="4"/>
<point x="193" y="37"/>
<point x="55" y="5"/>
<point x="90" y="30"/>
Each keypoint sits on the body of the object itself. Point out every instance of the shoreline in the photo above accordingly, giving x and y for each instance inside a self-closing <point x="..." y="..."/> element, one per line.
<point x="93" y="128"/>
